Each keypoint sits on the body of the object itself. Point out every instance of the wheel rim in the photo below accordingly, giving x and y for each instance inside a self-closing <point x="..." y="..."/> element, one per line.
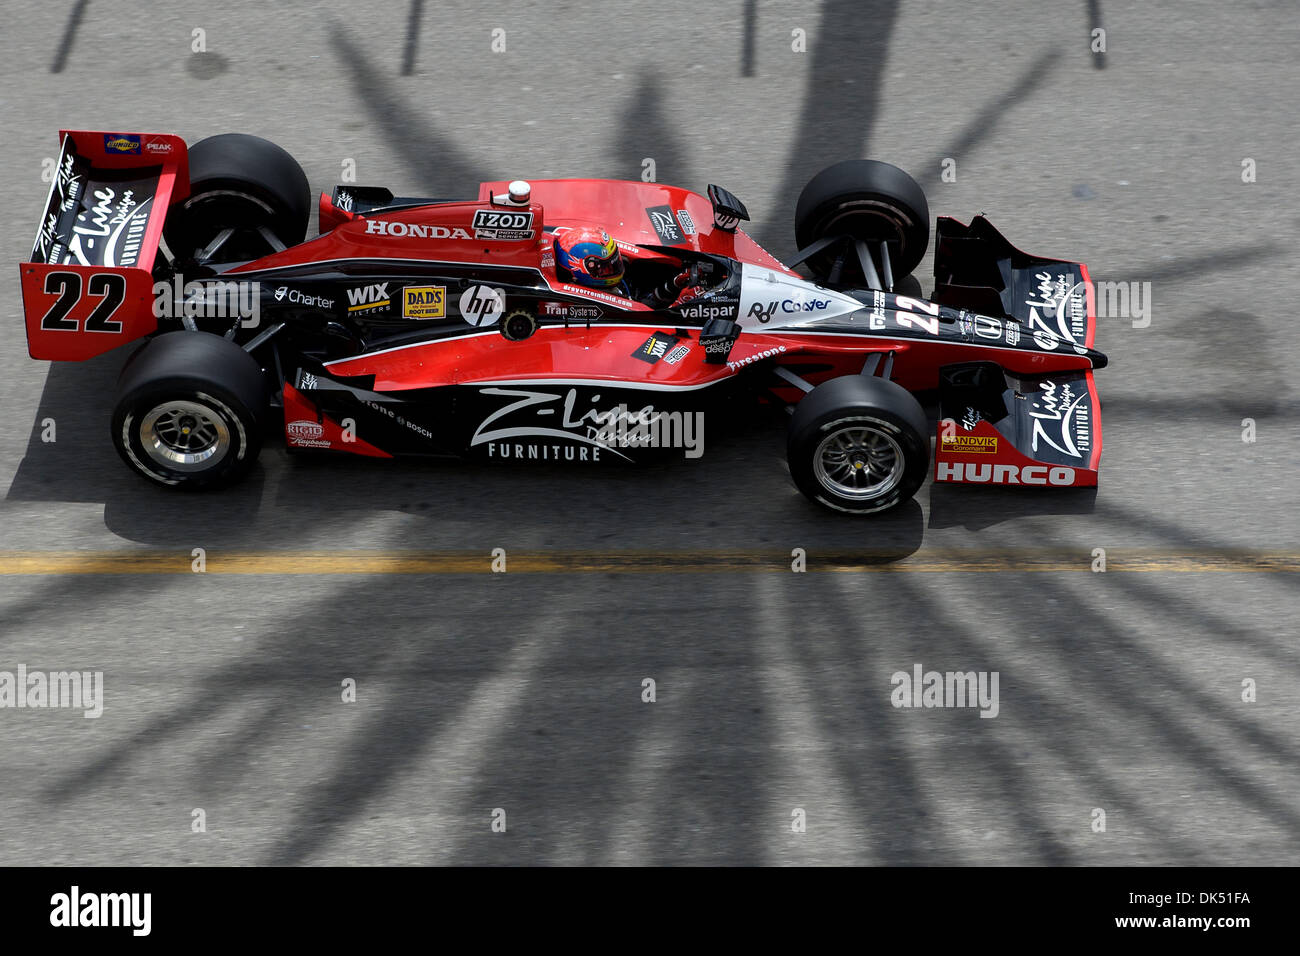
<point x="184" y="436"/>
<point x="209" y="212"/>
<point x="869" y="220"/>
<point x="859" y="462"/>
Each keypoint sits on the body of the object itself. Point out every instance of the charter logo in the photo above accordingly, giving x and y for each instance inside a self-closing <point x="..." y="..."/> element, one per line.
<point x="75" y="909"/>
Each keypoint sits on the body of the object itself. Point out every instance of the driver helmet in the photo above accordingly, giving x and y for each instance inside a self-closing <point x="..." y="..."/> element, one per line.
<point x="591" y="255"/>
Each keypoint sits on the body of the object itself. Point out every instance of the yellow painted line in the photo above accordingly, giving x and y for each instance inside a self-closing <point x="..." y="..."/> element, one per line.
<point x="216" y="561"/>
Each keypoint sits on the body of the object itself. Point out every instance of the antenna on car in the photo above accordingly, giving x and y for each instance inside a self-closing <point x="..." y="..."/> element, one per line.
<point x="518" y="193"/>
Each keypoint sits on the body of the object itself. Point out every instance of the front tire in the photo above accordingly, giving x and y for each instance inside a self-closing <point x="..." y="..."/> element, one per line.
<point x="868" y="200"/>
<point x="859" y="445"/>
<point x="190" y="411"/>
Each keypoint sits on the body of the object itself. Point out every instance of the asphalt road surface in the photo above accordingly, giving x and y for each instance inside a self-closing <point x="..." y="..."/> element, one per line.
<point x="518" y="697"/>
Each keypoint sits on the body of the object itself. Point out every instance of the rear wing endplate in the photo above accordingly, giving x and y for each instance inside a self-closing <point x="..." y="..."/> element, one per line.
<point x="87" y="286"/>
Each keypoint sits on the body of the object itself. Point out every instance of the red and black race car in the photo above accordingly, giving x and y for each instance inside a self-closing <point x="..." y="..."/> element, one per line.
<point x="415" y="326"/>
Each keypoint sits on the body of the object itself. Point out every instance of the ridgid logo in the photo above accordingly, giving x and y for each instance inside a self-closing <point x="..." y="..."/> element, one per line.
<point x="37" y="690"/>
<point x="75" y="908"/>
<point x="947" y="689"/>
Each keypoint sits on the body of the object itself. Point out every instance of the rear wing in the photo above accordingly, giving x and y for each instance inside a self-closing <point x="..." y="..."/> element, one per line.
<point x="88" y="285"/>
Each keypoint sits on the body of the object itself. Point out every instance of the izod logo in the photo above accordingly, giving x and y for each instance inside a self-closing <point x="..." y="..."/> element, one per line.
<point x="492" y="224"/>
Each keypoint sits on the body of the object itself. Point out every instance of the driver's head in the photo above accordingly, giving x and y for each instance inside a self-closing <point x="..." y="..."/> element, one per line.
<point x="591" y="255"/>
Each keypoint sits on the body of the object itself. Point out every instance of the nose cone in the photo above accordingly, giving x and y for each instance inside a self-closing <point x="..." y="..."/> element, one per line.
<point x="771" y="300"/>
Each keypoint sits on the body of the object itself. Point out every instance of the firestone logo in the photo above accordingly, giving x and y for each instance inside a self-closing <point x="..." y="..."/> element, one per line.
<point x="413" y="230"/>
<point x="756" y="357"/>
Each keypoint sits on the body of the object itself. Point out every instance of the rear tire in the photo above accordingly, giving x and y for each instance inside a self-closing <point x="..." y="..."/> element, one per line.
<point x="867" y="200"/>
<point x="190" y="411"/>
<point x="859" y="444"/>
<point x="242" y="182"/>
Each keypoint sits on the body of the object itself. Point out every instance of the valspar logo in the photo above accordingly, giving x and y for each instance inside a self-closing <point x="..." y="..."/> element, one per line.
<point x="75" y="908"/>
<point x="1004" y="474"/>
<point x="413" y="230"/>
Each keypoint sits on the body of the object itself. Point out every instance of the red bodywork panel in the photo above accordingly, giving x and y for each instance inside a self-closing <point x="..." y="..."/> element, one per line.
<point x="445" y="230"/>
<point x="75" y="311"/>
<point x="622" y="209"/>
<point x="605" y="350"/>
<point x="983" y="455"/>
<point x="442" y="232"/>
<point x="307" y="427"/>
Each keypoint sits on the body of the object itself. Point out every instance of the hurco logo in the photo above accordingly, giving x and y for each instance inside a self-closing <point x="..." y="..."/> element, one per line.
<point x="969" y="444"/>
<point x="985" y="473"/>
<point x="413" y="230"/>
